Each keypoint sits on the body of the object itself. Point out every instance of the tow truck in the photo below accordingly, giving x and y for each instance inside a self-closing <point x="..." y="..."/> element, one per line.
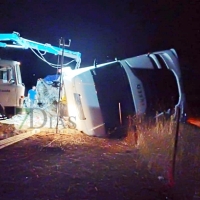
<point x="11" y="86"/>
<point x="102" y="96"/>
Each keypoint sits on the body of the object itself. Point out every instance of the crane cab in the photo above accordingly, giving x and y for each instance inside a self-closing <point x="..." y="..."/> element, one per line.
<point x="11" y="87"/>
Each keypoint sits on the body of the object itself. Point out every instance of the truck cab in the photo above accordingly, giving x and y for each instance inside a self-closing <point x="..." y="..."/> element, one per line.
<point x="102" y="97"/>
<point x="11" y="87"/>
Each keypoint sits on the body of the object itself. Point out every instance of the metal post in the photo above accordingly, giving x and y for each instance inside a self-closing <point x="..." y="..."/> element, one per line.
<point x="175" y="147"/>
<point x="62" y="42"/>
<point x="120" y="114"/>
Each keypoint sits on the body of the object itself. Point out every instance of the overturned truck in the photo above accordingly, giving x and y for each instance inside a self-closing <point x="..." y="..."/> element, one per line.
<point x="101" y="98"/>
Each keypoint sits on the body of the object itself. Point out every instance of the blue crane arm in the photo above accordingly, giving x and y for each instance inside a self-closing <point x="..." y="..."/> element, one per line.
<point x="19" y="42"/>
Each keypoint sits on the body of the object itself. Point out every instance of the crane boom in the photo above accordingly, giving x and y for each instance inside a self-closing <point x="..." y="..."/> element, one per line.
<point x="19" y="42"/>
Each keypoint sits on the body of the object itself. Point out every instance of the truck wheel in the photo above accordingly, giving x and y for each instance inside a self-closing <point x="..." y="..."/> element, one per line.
<point x="2" y="112"/>
<point x="2" y="109"/>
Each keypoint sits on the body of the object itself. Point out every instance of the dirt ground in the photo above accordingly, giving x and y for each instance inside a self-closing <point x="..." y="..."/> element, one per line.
<point x="50" y="166"/>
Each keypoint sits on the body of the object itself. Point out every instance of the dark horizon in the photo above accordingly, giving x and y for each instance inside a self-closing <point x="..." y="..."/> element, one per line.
<point x="104" y="30"/>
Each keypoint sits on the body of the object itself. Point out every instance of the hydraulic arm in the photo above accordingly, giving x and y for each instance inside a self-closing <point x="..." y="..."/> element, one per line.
<point x="19" y="42"/>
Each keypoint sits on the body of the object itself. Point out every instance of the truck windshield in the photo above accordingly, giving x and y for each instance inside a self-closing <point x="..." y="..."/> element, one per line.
<point x="6" y="74"/>
<point x="160" y="87"/>
<point x="114" y="94"/>
<point x="18" y="75"/>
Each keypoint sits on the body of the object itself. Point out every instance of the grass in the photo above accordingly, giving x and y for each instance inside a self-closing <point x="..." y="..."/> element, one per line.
<point x="154" y="141"/>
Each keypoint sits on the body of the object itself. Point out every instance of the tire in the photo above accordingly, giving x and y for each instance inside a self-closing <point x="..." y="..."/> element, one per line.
<point x="2" y="112"/>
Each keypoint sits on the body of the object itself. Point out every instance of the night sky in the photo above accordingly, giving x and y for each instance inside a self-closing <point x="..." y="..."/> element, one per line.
<point x="104" y="30"/>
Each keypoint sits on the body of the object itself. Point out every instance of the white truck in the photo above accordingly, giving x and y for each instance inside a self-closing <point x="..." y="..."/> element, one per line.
<point x="11" y="87"/>
<point x="101" y="97"/>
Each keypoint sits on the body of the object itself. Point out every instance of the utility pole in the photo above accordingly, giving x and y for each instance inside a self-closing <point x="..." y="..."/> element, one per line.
<point x="62" y="43"/>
